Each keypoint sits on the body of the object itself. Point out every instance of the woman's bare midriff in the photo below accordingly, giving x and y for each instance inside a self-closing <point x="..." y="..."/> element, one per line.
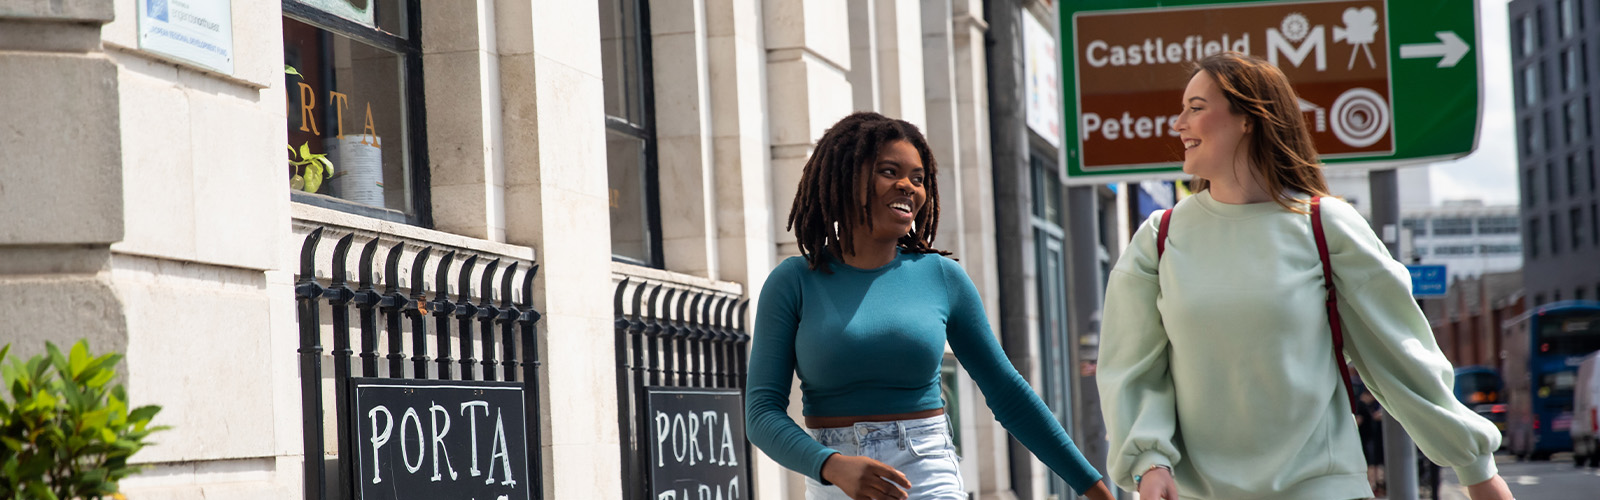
<point x="830" y="422"/>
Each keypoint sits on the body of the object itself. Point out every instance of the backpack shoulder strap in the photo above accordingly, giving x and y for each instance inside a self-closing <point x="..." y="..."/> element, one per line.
<point x="1333" y="300"/>
<point x="1161" y="233"/>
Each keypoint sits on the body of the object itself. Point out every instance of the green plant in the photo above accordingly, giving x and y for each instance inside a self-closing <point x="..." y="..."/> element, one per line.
<point x="310" y="170"/>
<point x="65" y="432"/>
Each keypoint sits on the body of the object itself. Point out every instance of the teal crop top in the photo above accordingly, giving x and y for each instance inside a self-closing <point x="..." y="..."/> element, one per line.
<point x="870" y="342"/>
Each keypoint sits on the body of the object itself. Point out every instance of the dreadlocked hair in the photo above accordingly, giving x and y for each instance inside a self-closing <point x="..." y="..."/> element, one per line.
<point x="829" y="204"/>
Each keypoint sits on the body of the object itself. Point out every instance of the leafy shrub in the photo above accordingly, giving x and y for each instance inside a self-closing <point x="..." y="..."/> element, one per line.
<point x="64" y="433"/>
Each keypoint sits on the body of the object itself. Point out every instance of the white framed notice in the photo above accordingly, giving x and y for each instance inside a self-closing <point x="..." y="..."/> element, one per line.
<point x="194" y="31"/>
<point x="1042" y="79"/>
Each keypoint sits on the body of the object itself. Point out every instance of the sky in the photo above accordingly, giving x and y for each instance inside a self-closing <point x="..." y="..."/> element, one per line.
<point x="1490" y="172"/>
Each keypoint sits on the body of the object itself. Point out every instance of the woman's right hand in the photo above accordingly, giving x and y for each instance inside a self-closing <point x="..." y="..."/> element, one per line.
<point x="1157" y="484"/>
<point x="863" y="478"/>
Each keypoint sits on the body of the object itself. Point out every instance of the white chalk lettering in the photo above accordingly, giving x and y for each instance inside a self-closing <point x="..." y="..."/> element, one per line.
<point x="500" y="451"/>
<point x="680" y="445"/>
<point x="710" y="418"/>
<point x="727" y="445"/>
<point x="379" y="439"/>
<point x="434" y="412"/>
<point x="422" y="449"/>
<point x="663" y="432"/>
<point x="472" y="421"/>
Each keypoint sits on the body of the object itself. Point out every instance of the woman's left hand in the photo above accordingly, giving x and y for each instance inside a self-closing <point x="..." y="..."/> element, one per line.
<point x="1493" y="489"/>
<point x="1099" y="492"/>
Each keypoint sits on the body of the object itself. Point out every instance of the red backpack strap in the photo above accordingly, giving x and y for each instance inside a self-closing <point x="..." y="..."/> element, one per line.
<point x="1333" y="300"/>
<point x="1161" y="233"/>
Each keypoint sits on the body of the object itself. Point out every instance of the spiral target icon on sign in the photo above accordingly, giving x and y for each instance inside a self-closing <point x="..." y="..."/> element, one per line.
<point x="1359" y="117"/>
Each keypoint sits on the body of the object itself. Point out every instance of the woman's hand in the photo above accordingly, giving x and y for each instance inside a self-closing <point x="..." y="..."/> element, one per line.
<point x="1099" y="492"/>
<point x="863" y="478"/>
<point x="1493" y="489"/>
<point x="1157" y="484"/>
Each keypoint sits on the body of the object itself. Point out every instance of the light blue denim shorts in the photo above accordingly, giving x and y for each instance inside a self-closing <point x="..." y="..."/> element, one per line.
<point x="922" y="449"/>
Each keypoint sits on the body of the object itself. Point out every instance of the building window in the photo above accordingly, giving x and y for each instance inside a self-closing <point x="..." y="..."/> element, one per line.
<point x="1452" y="226"/>
<point x="1418" y="227"/>
<point x="1592" y="172"/>
<point x="1530" y="33"/>
<point x="1530" y="84"/>
<point x="1533" y="237"/>
<point x="1572" y="175"/>
<point x="1577" y="293"/>
<point x="1594" y="224"/>
<point x="1455" y="250"/>
<point x="630" y="132"/>
<point x="1532" y="135"/>
<point x="1572" y="69"/>
<point x="1577" y="121"/>
<point x="1555" y="232"/>
<point x="1550" y="176"/>
<point x="1538" y="299"/>
<point x="1569" y="18"/>
<point x="353" y="81"/>
<point x="1503" y="249"/>
<point x="1497" y="225"/>
<point x="1576" y="219"/>
<point x="1556" y="296"/>
<point x="1527" y="186"/>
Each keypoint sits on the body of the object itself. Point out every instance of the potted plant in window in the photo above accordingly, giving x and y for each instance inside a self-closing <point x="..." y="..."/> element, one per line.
<point x="307" y="170"/>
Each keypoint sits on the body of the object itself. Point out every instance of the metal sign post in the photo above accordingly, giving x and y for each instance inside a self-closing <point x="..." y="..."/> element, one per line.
<point x="1382" y="83"/>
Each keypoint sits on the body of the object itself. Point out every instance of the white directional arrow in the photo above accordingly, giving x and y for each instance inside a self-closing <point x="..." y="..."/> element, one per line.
<point x="1449" y="49"/>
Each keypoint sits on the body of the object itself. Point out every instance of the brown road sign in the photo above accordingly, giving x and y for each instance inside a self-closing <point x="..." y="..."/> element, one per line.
<point x="1129" y="66"/>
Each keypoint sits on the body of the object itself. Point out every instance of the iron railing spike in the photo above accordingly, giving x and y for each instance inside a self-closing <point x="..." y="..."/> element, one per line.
<point x="368" y="253"/>
<point x="341" y="252"/>
<point x="391" y="269"/>
<point x="308" y="254"/>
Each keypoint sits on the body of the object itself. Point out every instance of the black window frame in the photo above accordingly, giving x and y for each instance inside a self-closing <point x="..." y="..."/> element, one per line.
<point x="410" y="50"/>
<point x="644" y="131"/>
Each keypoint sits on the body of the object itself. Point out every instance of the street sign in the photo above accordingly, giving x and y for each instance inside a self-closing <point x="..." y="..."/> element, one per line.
<point x="1382" y="83"/>
<point x="1428" y="281"/>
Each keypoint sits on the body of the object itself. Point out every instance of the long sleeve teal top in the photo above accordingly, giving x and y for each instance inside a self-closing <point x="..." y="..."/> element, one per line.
<point x="870" y="342"/>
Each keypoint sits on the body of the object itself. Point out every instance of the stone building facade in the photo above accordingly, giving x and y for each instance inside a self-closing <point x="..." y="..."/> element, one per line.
<point x="602" y="139"/>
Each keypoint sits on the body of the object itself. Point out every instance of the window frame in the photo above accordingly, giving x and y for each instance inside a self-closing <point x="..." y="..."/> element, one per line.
<point x="409" y="49"/>
<point x="644" y="131"/>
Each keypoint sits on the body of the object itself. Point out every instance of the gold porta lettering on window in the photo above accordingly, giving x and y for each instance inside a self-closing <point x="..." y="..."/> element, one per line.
<point x="340" y="101"/>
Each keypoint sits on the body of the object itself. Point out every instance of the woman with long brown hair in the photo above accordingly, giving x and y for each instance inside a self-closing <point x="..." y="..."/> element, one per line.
<point x="1229" y="318"/>
<point x="862" y="317"/>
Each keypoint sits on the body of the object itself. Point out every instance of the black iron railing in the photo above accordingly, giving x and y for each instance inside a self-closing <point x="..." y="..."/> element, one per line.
<point x="670" y="335"/>
<point x="503" y="333"/>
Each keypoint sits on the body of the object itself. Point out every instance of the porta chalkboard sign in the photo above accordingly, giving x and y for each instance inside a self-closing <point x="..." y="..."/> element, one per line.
<point x="439" y="439"/>
<point x="697" y="444"/>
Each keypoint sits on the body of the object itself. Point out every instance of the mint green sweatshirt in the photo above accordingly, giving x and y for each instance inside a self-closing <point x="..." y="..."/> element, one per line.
<point x="1217" y="359"/>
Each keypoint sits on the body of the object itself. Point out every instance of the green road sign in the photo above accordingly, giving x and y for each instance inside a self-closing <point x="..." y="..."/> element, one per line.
<point x="1381" y="83"/>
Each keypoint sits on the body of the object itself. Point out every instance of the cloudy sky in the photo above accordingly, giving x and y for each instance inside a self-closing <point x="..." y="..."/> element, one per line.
<point x="1490" y="173"/>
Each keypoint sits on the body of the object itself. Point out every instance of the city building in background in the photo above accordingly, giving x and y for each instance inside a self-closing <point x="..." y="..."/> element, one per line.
<point x="1468" y="238"/>
<point x="1555" y="57"/>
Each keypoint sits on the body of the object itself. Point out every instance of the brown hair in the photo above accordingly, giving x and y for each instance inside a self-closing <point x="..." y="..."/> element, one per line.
<point x="1281" y="149"/>
<point x="828" y="205"/>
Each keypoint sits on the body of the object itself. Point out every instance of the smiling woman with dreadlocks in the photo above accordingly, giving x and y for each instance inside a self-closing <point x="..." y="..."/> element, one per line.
<point x="863" y="317"/>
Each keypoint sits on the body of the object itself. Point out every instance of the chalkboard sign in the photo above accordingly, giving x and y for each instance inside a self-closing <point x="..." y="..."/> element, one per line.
<point x="439" y="439"/>
<point x="697" y="446"/>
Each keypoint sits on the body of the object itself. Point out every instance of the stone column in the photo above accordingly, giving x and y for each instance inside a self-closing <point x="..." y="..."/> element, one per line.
<point x="684" y="153"/>
<point x="900" y="73"/>
<point x="745" y="207"/>
<point x="808" y="57"/>
<point x="61" y="189"/>
<point x="556" y="202"/>
<point x="939" y="81"/>
<point x="971" y="95"/>
<point x="461" y="67"/>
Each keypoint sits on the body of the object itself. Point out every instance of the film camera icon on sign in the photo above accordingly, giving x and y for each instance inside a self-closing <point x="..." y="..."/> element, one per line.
<point x="1359" y="116"/>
